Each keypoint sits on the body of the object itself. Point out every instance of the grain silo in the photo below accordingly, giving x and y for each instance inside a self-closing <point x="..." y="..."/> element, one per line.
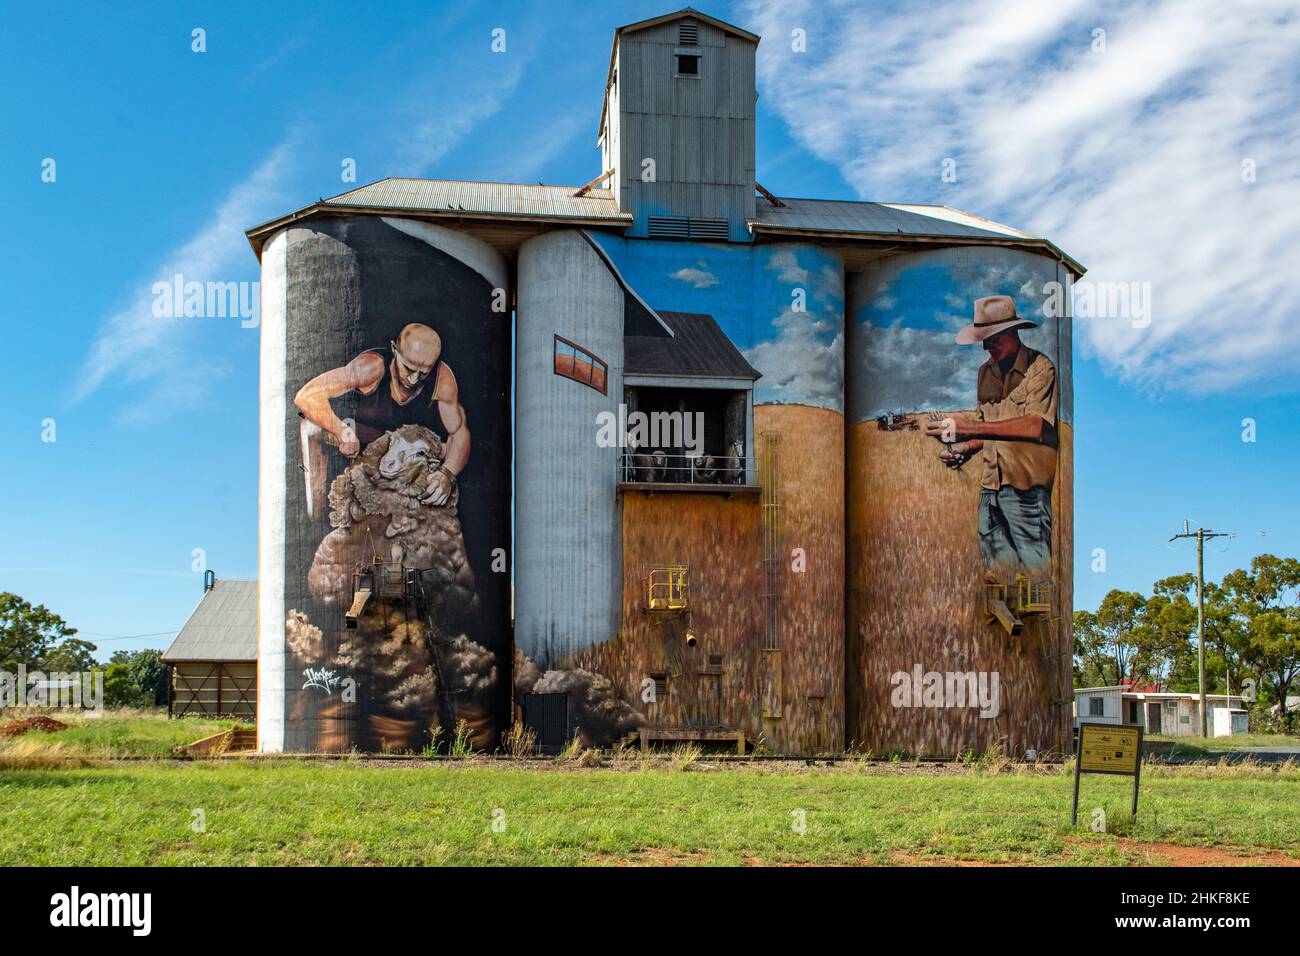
<point x="732" y="523"/>
<point x="960" y="567"/>
<point x="385" y="485"/>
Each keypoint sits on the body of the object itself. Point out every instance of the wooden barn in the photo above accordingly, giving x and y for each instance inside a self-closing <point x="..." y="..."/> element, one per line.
<point x="212" y="663"/>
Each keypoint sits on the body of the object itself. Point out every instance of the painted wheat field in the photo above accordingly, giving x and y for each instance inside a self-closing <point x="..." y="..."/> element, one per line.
<point x="788" y="698"/>
<point x="916" y="597"/>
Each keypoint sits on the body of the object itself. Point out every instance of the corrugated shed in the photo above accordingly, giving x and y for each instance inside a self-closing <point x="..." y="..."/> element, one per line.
<point x="698" y="347"/>
<point x="222" y="628"/>
<point x="500" y="199"/>
<point x="883" y="219"/>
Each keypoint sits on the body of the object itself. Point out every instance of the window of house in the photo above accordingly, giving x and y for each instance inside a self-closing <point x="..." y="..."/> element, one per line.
<point x="573" y="361"/>
<point x="688" y="64"/>
<point x="1096" y="707"/>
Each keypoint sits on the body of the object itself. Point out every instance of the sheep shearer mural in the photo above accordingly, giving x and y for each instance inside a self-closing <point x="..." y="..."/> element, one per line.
<point x="1014" y="427"/>
<point x="392" y="384"/>
<point x="396" y="567"/>
<point x="395" y="558"/>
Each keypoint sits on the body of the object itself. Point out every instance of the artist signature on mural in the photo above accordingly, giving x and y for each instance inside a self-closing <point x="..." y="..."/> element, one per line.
<point x="322" y="678"/>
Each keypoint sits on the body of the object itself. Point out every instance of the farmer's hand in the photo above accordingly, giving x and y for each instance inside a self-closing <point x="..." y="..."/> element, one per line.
<point x="951" y="429"/>
<point x="348" y="443"/>
<point x="440" y="485"/>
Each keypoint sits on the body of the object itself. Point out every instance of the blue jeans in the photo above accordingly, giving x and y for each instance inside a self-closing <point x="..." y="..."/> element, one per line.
<point x="1016" y="526"/>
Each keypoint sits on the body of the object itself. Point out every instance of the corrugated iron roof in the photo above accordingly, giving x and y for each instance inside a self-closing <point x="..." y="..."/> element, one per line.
<point x="878" y="218"/>
<point x="697" y="347"/>
<point x="222" y="628"/>
<point x="497" y="199"/>
<point x="843" y="219"/>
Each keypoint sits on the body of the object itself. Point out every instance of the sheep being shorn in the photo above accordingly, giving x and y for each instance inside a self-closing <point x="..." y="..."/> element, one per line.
<point x="418" y="672"/>
<point x="376" y="513"/>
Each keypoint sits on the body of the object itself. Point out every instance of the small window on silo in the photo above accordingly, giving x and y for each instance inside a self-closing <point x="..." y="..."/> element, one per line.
<point x="661" y="686"/>
<point x="575" y="362"/>
<point x="688" y="64"/>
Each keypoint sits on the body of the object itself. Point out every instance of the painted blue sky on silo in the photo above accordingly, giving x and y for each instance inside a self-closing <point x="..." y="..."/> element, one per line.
<point x="754" y="293"/>
<point x="902" y="354"/>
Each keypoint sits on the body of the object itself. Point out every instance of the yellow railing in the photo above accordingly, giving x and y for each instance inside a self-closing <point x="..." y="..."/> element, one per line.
<point x="1032" y="596"/>
<point x="668" y="589"/>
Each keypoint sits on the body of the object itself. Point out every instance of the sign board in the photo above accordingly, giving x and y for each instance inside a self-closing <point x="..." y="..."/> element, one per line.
<point x="1111" y="749"/>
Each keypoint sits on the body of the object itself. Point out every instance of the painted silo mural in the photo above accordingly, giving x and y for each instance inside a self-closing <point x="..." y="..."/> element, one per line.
<point x="960" y="513"/>
<point x="396" y="501"/>
<point x="724" y="457"/>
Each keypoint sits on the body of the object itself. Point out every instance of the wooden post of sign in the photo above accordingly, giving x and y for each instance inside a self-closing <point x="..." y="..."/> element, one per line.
<point x="1078" y="751"/>
<point x="1137" y="775"/>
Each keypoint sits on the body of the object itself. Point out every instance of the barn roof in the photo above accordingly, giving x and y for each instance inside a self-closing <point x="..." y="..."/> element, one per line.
<point x="697" y="347"/>
<point x="222" y="628"/>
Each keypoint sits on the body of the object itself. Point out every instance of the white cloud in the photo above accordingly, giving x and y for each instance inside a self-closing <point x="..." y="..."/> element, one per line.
<point x="434" y="123"/>
<point x="161" y="360"/>
<point x="1129" y="159"/>
<point x="150" y="353"/>
<point x="803" y="365"/>
<point x="699" y="278"/>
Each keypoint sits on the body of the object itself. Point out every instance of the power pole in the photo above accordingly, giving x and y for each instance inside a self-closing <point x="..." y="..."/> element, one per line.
<point x="1201" y="535"/>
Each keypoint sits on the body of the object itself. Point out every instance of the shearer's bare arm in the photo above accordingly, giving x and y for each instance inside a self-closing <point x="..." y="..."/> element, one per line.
<point x="362" y="374"/>
<point x="447" y="394"/>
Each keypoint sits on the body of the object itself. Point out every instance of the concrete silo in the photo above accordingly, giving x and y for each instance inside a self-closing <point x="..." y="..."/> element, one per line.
<point x="743" y="344"/>
<point x="569" y="358"/>
<point x="959" y="568"/>
<point x="385" y="486"/>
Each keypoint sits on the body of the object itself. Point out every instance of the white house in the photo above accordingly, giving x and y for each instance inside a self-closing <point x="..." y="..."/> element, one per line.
<point x="1170" y="714"/>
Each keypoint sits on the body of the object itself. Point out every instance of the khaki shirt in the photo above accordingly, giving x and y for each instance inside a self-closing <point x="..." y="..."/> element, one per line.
<point x="1029" y="388"/>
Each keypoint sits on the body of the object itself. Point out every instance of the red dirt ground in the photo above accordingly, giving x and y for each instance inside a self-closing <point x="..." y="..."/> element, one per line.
<point x="16" y="728"/>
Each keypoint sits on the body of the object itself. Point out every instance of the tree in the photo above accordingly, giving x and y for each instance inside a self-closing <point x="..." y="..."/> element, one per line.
<point x="147" y="674"/>
<point x="71" y="656"/>
<point x="1266" y="603"/>
<point x="1105" y="641"/>
<point x="30" y="636"/>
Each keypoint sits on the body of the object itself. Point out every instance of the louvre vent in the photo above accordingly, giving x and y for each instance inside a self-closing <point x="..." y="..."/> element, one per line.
<point x="709" y="228"/>
<point x="688" y="34"/>
<point x="670" y="227"/>
<point x="681" y="227"/>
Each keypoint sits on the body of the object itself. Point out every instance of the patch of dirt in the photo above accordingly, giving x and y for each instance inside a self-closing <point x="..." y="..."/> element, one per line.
<point x="651" y="856"/>
<point x="16" y="728"/>
<point x="1147" y="853"/>
<point x="907" y="858"/>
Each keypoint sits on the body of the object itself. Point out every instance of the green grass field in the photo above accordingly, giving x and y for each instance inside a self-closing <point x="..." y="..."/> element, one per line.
<point x="55" y="808"/>
<point x="117" y="734"/>
<point x="1200" y="745"/>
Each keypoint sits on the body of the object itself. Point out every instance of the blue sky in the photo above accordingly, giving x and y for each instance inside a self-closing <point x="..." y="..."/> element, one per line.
<point x="1129" y="157"/>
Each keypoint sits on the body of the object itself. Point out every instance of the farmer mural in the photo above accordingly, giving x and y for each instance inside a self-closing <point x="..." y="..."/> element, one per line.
<point x="1014" y="431"/>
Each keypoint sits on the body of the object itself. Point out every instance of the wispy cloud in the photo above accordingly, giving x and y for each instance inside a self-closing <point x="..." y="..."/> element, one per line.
<point x="434" y="123"/>
<point x="698" y="278"/>
<point x="159" y="362"/>
<point x="1130" y="158"/>
<point x="136" y="348"/>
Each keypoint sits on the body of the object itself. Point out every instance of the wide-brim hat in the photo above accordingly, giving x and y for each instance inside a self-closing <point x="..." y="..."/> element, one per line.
<point x="993" y="314"/>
